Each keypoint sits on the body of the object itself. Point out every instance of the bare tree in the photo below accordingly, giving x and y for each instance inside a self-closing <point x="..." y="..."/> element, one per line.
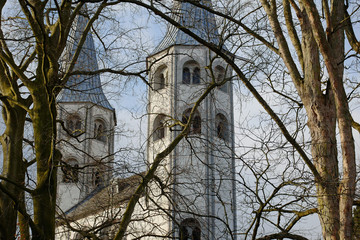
<point x="311" y="47"/>
<point x="302" y="62"/>
<point x="33" y="37"/>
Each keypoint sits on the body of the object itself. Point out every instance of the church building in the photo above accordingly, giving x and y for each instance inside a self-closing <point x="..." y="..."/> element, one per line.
<point x="192" y="195"/>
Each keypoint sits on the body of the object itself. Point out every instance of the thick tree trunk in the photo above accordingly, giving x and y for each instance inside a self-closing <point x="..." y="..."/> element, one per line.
<point x="321" y="111"/>
<point x="13" y="169"/>
<point x="44" y="196"/>
<point x="324" y="152"/>
<point x="347" y="184"/>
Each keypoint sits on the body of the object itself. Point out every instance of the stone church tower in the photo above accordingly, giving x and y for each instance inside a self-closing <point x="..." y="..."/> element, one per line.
<point x="199" y="173"/>
<point x="87" y="141"/>
<point x="193" y="193"/>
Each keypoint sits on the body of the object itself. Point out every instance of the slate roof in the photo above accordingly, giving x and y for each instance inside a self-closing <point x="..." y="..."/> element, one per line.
<point x="83" y="88"/>
<point x="103" y="198"/>
<point x="200" y="21"/>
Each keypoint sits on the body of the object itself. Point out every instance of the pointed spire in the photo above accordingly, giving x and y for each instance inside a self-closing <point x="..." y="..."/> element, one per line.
<point x="198" y="20"/>
<point x="83" y="88"/>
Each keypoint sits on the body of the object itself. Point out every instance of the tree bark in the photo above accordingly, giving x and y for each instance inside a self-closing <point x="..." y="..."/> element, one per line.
<point x="13" y="168"/>
<point x="324" y="107"/>
<point x="43" y="117"/>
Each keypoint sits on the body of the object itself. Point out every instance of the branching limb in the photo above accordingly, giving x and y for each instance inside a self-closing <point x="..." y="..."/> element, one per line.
<point x="238" y="22"/>
<point x="10" y="61"/>
<point x="350" y="34"/>
<point x="110" y="70"/>
<point x="299" y="215"/>
<point x="16" y="184"/>
<point x="284" y="50"/>
<point x="355" y="125"/>
<point x="292" y="31"/>
<point x="23" y="212"/>
<point x="18" y="103"/>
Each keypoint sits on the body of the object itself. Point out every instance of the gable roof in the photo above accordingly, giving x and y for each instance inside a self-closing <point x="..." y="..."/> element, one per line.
<point x="103" y="198"/>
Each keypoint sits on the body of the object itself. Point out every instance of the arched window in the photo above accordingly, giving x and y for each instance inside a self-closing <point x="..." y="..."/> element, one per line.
<point x="159" y="127"/>
<point x="160" y="78"/>
<point x="195" y="127"/>
<point x="196" y="76"/>
<point x="186" y="75"/>
<point x="162" y="81"/>
<point x="70" y="171"/>
<point x="190" y="229"/>
<point x="191" y="73"/>
<point x="97" y="177"/>
<point x="73" y="124"/>
<point x="100" y="130"/>
<point x="220" y="76"/>
<point x="222" y="128"/>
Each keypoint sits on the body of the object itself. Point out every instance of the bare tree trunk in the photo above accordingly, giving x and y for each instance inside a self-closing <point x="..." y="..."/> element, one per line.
<point x="324" y="107"/>
<point x="23" y="221"/>
<point x="325" y="159"/>
<point x="331" y="45"/>
<point x="13" y="169"/>
<point x="44" y="196"/>
<point x="321" y="112"/>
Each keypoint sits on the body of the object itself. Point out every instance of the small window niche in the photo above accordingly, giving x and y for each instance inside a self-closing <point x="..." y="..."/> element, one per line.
<point x="195" y="127"/>
<point x="100" y="130"/>
<point x="186" y="75"/>
<point x="190" y="229"/>
<point x="74" y="124"/>
<point x="196" y="76"/>
<point x="98" y="176"/>
<point x="220" y="75"/>
<point x="191" y="73"/>
<point x="160" y="78"/>
<point x="159" y="127"/>
<point x="222" y="127"/>
<point x="70" y="171"/>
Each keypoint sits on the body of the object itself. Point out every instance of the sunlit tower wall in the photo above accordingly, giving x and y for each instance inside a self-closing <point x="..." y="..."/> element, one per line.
<point x="86" y="128"/>
<point x="198" y="176"/>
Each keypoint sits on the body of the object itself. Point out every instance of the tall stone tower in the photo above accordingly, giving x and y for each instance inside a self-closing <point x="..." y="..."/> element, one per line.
<point x="199" y="173"/>
<point x="87" y="141"/>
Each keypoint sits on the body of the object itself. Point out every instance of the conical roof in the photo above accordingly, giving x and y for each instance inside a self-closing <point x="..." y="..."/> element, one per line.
<point x="198" y="20"/>
<point x="83" y="88"/>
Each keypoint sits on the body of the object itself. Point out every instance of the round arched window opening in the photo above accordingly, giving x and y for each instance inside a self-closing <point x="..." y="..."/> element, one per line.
<point x="70" y="171"/>
<point x="98" y="176"/>
<point x="195" y="127"/>
<point x="196" y="76"/>
<point x="186" y="76"/>
<point x="100" y="130"/>
<point x="159" y="127"/>
<point x="73" y="124"/>
<point x="220" y="77"/>
<point x="191" y="73"/>
<point x="222" y="128"/>
<point x="160" y="78"/>
<point x="190" y="229"/>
